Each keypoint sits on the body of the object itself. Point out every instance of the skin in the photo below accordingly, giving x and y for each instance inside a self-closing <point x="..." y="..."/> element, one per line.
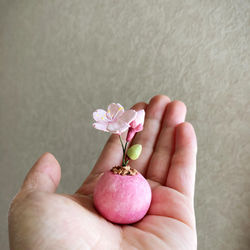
<point x="39" y="218"/>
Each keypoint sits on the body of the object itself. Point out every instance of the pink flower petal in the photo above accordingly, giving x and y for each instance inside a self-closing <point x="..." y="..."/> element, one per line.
<point x="115" y="110"/>
<point x="100" y="115"/>
<point x="128" y="116"/>
<point x="117" y="127"/>
<point x="100" y="126"/>
<point x="139" y="118"/>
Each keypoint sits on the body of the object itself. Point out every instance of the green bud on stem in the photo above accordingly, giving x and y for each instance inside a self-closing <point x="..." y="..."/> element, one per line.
<point x="134" y="152"/>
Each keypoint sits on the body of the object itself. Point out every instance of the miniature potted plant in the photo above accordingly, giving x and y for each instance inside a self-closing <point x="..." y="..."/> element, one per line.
<point x="122" y="195"/>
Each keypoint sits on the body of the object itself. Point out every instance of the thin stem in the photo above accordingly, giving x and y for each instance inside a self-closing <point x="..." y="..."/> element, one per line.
<point x="124" y="155"/>
<point x="121" y="142"/>
<point x="124" y="162"/>
<point x="126" y="144"/>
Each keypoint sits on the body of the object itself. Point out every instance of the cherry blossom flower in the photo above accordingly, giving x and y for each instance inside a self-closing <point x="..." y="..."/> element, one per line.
<point x="136" y="125"/>
<point x="115" y="120"/>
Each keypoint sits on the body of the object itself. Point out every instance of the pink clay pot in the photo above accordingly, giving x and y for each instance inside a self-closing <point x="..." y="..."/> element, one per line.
<point x="122" y="199"/>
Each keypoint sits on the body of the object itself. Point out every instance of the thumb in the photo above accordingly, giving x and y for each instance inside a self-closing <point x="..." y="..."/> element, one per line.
<point x="44" y="176"/>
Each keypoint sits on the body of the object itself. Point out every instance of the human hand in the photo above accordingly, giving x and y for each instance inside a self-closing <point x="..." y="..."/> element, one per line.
<point x="41" y="219"/>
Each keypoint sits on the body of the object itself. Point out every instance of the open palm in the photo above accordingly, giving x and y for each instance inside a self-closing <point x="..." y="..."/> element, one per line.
<point x="42" y="219"/>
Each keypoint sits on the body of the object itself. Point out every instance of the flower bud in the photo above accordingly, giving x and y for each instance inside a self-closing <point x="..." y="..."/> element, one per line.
<point x="134" y="152"/>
